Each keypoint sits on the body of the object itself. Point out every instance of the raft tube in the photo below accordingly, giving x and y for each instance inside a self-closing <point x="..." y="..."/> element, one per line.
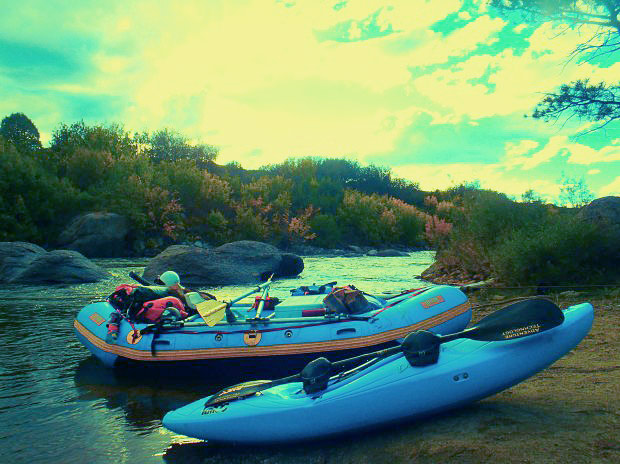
<point x="288" y="333"/>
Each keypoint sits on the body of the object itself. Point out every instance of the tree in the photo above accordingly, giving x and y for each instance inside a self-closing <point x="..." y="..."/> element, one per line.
<point x="21" y="131"/>
<point x="574" y="192"/>
<point x="600" y="102"/>
<point x="168" y="145"/>
<point x="111" y="138"/>
<point x="531" y="196"/>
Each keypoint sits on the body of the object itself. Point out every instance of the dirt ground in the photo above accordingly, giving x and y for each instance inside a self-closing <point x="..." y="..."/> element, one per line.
<point x="568" y="413"/>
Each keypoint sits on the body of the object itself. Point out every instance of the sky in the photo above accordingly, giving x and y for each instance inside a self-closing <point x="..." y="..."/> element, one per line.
<point x="436" y="91"/>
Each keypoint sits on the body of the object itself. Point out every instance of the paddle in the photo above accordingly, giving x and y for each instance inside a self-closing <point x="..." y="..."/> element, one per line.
<point x="212" y="311"/>
<point x="515" y="321"/>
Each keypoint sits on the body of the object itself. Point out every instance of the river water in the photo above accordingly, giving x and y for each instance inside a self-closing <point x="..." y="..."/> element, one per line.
<point x="58" y="404"/>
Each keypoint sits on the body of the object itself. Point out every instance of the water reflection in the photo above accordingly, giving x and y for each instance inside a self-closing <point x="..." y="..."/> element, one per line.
<point x="143" y="398"/>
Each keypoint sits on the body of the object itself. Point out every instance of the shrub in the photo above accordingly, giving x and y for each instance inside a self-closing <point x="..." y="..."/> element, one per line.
<point x="328" y="231"/>
<point x="299" y="228"/>
<point x="86" y="168"/>
<point x="199" y="193"/>
<point x="247" y="225"/>
<point x="216" y="229"/>
<point x="410" y="222"/>
<point x="360" y="216"/>
<point x="151" y="210"/>
<point x="562" y="250"/>
<point x="380" y="219"/>
<point x="482" y="221"/>
<point x="34" y="204"/>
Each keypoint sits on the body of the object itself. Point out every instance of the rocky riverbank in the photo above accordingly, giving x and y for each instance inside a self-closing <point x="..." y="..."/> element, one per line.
<point x="241" y="262"/>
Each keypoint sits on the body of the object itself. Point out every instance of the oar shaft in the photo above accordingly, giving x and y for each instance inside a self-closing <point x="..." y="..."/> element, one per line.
<point x="345" y="363"/>
<point x="261" y="303"/>
<point x="251" y="292"/>
<point x="337" y="366"/>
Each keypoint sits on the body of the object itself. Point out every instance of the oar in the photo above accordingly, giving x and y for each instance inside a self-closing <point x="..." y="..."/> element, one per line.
<point x="517" y="320"/>
<point x="263" y="298"/>
<point x="212" y="311"/>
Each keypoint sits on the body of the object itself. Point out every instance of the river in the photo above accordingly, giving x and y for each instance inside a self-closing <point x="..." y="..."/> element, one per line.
<point x="59" y="405"/>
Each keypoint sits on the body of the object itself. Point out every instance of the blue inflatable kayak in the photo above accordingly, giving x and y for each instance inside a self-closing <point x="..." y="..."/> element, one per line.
<point x="387" y="390"/>
<point x="297" y="328"/>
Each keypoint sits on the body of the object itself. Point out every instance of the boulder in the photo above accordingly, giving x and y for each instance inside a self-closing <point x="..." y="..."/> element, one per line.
<point x="386" y="252"/>
<point x="605" y="212"/>
<point x="96" y="235"/>
<point x="59" y="267"/>
<point x="243" y="262"/>
<point x="15" y="257"/>
<point x="355" y="249"/>
<point x="307" y="250"/>
<point x="290" y="265"/>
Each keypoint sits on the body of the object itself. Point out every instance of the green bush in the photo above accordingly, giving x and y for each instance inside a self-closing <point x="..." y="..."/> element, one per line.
<point x="360" y="216"/>
<point x="248" y="225"/>
<point x="328" y="231"/>
<point x="216" y="228"/>
<point x="483" y="220"/>
<point x="379" y="220"/>
<point x="87" y="168"/>
<point x="34" y="204"/>
<point x="562" y="250"/>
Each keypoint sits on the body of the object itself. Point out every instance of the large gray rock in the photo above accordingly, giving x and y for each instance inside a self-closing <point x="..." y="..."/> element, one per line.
<point x="96" y="235"/>
<point x="290" y="265"/>
<point x="243" y="262"/>
<point x="387" y="253"/>
<point x="15" y="257"/>
<point x="60" y="267"/>
<point x="604" y="212"/>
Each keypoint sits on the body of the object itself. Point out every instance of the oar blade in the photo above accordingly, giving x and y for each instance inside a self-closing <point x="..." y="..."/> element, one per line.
<point x="211" y="311"/>
<point x="241" y="390"/>
<point x="517" y="320"/>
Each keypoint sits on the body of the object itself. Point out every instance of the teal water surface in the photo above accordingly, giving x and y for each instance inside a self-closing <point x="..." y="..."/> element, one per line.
<point x="58" y="404"/>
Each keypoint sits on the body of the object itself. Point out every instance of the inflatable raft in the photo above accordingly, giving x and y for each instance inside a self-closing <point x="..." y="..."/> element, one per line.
<point x="298" y="328"/>
<point x="387" y="390"/>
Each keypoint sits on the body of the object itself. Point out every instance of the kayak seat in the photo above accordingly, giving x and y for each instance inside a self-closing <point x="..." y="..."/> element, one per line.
<point x="421" y="348"/>
<point x="316" y="375"/>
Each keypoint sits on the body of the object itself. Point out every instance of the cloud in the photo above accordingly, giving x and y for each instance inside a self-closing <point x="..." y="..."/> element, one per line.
<point x="560" y="145"/>
<point x="583" y="154"/>
<point x="438" y="48"/>
<point x="611" y="189"/>
<point x="515" y="149"/>
<point x="518" y="29"/>
<point x="491" y="176"/>
<point x="501" y="80"/>
<point x="555" y="146"/>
